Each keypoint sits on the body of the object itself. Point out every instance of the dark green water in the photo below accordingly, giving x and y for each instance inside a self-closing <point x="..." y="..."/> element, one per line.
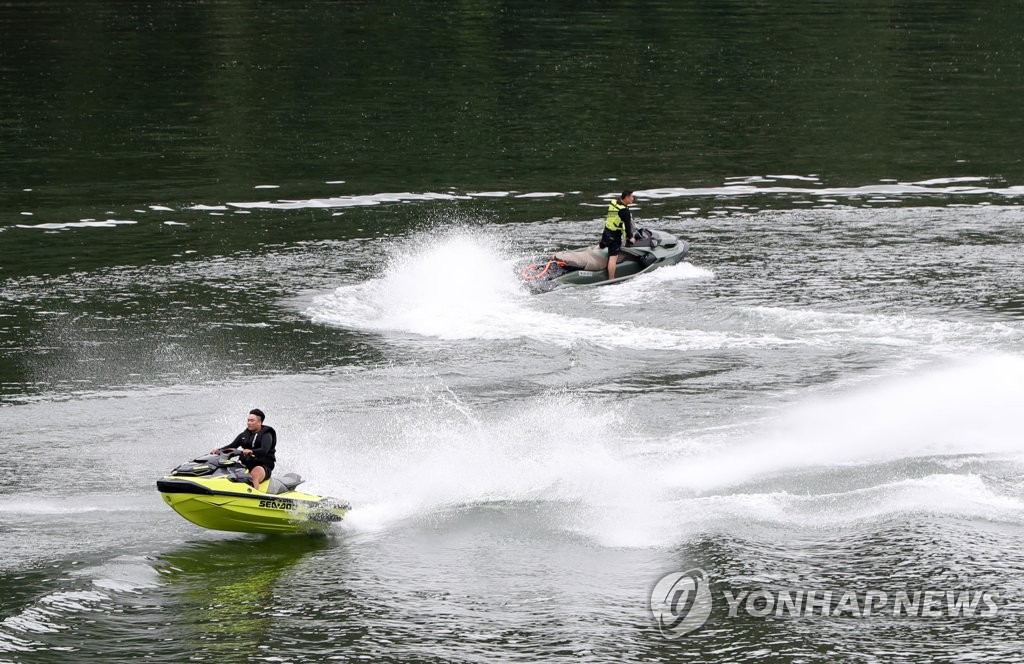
<point x="313" y="207"/>
<point x="120" y="104"/>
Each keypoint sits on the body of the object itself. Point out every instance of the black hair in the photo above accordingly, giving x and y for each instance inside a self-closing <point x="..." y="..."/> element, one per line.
<point x="258" y="413"/>
<point x="626" y="192"/>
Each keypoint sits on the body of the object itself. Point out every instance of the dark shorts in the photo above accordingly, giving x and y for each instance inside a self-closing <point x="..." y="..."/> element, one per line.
<point x="612" y="240"/>
<point x="251" y="463"/>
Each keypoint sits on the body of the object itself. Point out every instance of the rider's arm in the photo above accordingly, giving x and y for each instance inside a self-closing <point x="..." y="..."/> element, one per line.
<point x="232" y="446"/>
<point x="626" y="216"/>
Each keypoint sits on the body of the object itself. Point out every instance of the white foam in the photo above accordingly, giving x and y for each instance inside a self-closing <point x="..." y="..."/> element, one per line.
<point x="965" y="496"/>
<point x="646" y="287"/>
<point x="884" y="191"/>
<point x="960" y="409"/>
<point x="661" y="522"/>
<point x="341" y="201"/>
<point x="895" y="190"/>
<point x="641" y="491"/>
<point x="805" y="178"/>
<point x="935" y="181"/>
<point x="90" y="223"/>
<point x="844" y="329"/>
<point x="45" y="616"/>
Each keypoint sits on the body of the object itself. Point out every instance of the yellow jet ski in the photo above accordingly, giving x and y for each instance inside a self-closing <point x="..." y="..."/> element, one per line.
<point x="215" y="492"/>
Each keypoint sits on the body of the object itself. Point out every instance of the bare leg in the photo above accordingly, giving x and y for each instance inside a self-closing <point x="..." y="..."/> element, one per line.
<point x="612" y="260"/>
<point x="258" y="475"/>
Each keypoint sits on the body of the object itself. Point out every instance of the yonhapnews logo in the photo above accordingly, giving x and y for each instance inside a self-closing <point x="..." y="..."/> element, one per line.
<point x="681" y="603"/>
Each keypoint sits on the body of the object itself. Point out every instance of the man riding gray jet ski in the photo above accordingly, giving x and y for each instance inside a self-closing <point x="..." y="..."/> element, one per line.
<point x="610" y="262"/>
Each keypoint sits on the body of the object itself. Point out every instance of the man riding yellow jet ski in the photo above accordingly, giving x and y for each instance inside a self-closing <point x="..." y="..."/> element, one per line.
<point x="214" y="491"/>
<point x="233" y="488"/>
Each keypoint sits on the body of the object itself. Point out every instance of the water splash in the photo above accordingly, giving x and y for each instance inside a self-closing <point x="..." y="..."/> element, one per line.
<point x="821" y="464"/>
<point x="456" y="286"/>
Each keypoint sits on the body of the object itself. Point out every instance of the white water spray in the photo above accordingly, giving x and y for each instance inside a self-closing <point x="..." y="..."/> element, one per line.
<point x="859" y="456"/>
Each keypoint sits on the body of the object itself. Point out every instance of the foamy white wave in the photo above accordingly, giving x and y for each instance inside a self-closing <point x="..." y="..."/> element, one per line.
<point x="661" y="522"/>
<point x="961" y="409"/>
<point x="935" y="181"/>
<point x="882" y="192"/>
<point x="344" y="201"/>
<point x="964" y="496"/>
<point x="51" y="612"/>
<point x="805" y="178"/>
<point x="85" y="223"/>
<point x="45" y="616"/>
<point x="568" y="330"/>
<point x="888" y="190"/>
<point x="875" y="329"/>
<point x="645" y="287"/>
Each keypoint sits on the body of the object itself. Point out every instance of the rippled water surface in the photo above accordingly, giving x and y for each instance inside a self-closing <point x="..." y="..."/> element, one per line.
<point x="316" y="208"/>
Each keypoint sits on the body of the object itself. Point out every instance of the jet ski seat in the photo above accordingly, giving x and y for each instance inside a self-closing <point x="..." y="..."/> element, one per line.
<point x="584" y="259"/>
<point x="648" y="239"/>
<point x="286" y="482"/>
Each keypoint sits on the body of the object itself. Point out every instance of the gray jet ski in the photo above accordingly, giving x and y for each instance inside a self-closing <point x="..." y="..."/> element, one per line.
<point x="589" y="266"/>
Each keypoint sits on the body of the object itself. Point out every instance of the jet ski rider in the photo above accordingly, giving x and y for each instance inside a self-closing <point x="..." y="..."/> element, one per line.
<point x="257" y="445"/>
<point x="618" y="227"/>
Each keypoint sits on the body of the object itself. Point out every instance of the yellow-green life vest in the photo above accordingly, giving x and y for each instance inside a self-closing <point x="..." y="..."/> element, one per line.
<point x="614" y="222"/>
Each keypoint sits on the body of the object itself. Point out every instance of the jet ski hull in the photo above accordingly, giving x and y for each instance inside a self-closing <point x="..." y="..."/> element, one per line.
<point x="222" y="502"/>
<point x="588" y="266"/>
